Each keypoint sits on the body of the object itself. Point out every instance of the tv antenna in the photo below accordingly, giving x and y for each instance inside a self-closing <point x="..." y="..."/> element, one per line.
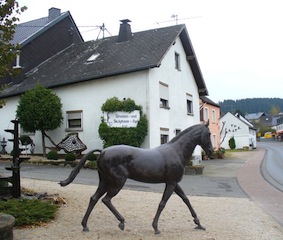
<point x="102" y="29"/>
<point x="176" y="19"/>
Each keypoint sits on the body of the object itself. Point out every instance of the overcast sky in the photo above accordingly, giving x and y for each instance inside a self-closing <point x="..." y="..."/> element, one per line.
<point x="238" y="43"/>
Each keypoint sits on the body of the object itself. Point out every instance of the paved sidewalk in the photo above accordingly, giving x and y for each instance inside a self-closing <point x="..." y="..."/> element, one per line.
<point x="258" y="189"/>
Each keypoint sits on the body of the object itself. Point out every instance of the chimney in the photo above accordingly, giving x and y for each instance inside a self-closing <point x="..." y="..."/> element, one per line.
<point x="125" y="32"/>
<point x="53" y="13"/>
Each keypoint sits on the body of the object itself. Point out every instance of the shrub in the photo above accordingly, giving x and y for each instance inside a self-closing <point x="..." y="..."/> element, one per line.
<point x="70" y="157"/>
<point x="232" y="143"/>
<point x="3" y="184"/>
<point x="52" y="155"/>
<point x="133" y="136"/>
<point x="25" y="140"/>
<point x="91" y="165"/>
<point x="29" y="212"/>
<point x="92" y="157"/>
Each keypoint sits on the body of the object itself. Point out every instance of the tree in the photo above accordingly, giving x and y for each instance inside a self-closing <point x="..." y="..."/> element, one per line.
<point x="274" y="110"/>
<point x="9" y="11"/>
<point x="232" y="143"/>
<point x="40" y="109"/>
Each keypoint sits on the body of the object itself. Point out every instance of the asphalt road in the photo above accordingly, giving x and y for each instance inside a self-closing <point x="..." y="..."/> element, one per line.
<point x="218" y="179"/>
<point x="272" y="164"/>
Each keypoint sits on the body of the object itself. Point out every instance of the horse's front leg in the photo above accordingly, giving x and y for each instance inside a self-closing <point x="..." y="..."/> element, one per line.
<point x="169" y="189"/>
<point x="179" y="191"/>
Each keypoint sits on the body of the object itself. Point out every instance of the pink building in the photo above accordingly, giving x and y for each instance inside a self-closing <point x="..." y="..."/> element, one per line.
<point x="210" y="110"/>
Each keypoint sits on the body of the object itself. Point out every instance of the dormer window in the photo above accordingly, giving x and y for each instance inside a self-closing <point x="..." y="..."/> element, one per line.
<point x="92" y="58"/>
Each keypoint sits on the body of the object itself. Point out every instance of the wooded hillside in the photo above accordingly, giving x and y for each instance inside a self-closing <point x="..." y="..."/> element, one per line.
<point x="252" y="105"/>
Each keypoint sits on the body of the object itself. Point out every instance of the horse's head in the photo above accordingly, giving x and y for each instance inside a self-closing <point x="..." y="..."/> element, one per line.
<point x="206" y="140"/>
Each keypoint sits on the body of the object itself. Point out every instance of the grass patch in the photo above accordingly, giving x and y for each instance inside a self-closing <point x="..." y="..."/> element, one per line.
<point x="229" y="152"/>
<point x="29" y="212"/>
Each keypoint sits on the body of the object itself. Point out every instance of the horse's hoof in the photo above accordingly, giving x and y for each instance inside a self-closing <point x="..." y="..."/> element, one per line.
<point x="85" y="229"/>
<point x="157" y="231"/>
<point x="121" y="226"/>
<point x="200" y="227"/>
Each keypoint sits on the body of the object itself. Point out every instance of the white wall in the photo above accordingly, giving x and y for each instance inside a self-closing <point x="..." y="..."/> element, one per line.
<point x="179" y="83"/>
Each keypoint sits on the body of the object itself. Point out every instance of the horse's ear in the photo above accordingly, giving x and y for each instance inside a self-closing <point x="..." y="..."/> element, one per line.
<point x="207" y="123"/>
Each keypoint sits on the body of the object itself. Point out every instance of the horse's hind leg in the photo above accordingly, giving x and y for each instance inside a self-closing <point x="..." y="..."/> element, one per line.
<point x="178" y="190"/>
<point x="101" y="190"/>
<point x="112" y="191"/>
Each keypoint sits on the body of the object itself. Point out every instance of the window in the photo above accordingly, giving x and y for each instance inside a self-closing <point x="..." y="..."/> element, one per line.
<point x="214" y="142"/>
<point x="163" y="138"/>
<point x="92" y="58"/>
<point x="213" y="116"/>
<point x="189" y="107"/>
<point x="74" y="120"/>
<point x="177" y="61"/>
<point x="189" y="104"/>
<point x="177" y="131"/>
<point x="205" y="117"/>
<point x="164" y="135"/>
<point x="163" y="103"/>
<point x="164" y="95"/>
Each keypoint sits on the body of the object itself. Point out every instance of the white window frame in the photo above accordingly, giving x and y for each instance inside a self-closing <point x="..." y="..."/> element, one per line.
<point x="164" y="135"/>
<point x="164" y="95"/>
<point x="213" y="116"/>
<point x="214" y="141"/>
<point x="189" y="104"/>
<point x="177" y="131"/>
<point x="205" y="114"/>
<point x="71" y="118"/>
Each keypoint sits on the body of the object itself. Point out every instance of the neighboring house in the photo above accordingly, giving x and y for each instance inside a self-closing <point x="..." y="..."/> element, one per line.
<point x="40" y="39"/>
<point x="156" y="68"/>
<point x="255" y="117"/>
<point x="262" y="119"/>
<point x="238" y="127"/>
<point x="279" y="128"/>
<point x="209" y="110"/>
<point x="269" y="121"/>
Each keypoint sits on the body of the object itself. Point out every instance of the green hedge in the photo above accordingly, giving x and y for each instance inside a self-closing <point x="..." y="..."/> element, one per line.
<point x="133" y="136"/>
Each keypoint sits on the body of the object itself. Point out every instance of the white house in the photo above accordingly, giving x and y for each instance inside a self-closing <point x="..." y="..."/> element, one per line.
<point x="156" y="68"/>
<point x="238" y="127"/>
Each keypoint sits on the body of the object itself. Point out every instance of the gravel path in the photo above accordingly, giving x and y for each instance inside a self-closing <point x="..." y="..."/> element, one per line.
<point x="224" y="218"/>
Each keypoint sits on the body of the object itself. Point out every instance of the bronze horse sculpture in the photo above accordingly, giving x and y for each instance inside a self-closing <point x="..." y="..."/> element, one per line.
<point x="163" y="164"/>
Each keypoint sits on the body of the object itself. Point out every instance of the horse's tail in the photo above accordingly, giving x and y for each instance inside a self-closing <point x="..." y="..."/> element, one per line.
<point x="77" y="169"/>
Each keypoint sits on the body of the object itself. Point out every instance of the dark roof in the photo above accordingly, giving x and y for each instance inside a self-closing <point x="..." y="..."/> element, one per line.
<point x="255" y="116"/>
<point x="209" y="101"/>
<point x="27" y="31"/>
<point x="144" y="50"/>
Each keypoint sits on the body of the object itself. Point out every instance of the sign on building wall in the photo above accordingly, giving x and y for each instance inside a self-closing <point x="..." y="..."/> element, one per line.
<point x="122" y="119"/>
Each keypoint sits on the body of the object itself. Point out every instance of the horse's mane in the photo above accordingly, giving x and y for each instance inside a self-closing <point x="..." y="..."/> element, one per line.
<point x="195" y="129"/>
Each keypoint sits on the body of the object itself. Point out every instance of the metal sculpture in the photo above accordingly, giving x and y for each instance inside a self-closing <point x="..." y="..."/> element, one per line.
<point x="72" y="143"/>
<point x="164" y="164"/>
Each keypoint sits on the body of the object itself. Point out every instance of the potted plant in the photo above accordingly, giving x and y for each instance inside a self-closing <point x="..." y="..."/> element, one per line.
<point x="191" y="169"/>
<point x="204" y="155"/>
<point x="220" y="152"/>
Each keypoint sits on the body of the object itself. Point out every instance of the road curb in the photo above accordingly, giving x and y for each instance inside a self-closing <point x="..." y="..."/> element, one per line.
<point x="258" y="189"/>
